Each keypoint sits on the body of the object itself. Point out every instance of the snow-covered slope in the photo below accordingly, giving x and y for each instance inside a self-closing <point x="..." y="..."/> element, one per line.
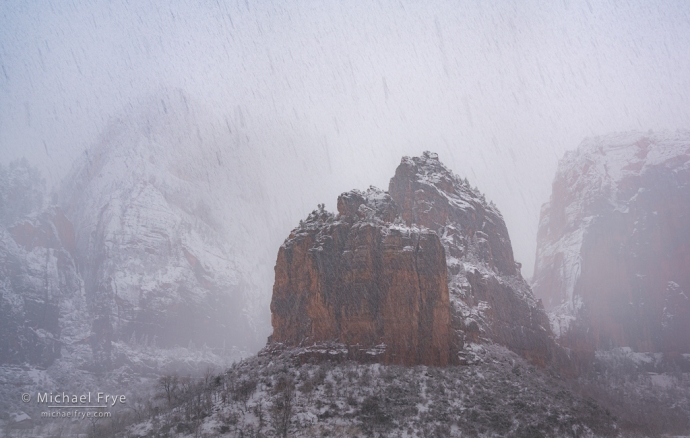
<point x="274" y="394"/>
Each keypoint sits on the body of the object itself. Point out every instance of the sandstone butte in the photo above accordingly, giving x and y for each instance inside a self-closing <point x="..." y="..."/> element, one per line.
<point x="407" y="276"/>
<point x="613" y="253"/>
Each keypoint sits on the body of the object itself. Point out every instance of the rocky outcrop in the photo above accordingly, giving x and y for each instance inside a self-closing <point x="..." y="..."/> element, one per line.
<point x="421" y="269"/>
<point x="362" y="280"/>
<point x="613" y="254"/>
<point x="430" y="195"/>
<point x="490" y="299"/>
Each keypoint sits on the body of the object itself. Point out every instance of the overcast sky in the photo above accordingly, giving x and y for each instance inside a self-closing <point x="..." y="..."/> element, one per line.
<point x="499" y="90"/>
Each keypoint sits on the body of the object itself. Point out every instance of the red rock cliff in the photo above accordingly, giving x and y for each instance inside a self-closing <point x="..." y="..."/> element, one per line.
<point x="358" y="279"/>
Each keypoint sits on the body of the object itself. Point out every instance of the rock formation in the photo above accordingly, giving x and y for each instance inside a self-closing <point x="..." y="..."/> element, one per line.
<point x="158" y="264"/>
<point x="613" y="254"/>
<point x="142" y="264"/>
<point x="39" y="283"/>
<point x="143" y="251"/>
<point x="421" y="270"/>
<point x="361" y="279"/>
<point x="490" y="299"/>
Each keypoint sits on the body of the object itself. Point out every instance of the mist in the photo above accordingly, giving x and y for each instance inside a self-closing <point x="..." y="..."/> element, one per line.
<point x="328" y="96"/>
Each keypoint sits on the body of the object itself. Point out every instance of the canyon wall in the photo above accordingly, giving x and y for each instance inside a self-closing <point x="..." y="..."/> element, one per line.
<point x="613" y="255"/>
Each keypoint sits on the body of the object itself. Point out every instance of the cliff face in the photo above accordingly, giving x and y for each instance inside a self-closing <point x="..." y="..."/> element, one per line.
<point x="361" y="280"/>
<point x="150" y="247"/>
<point x="430" y="195"/>
<point x="41" y="291"/>
<point x="613" y="254"/>
<point x="489" y="297"/>
<point x="421" y="270"/>
<point x="157" y="259"/>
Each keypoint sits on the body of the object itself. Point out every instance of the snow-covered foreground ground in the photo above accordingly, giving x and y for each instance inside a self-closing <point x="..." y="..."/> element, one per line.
<point x="136" y="377"/>
<point x="625" y="394"/>
<point x="285" y="394"/>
